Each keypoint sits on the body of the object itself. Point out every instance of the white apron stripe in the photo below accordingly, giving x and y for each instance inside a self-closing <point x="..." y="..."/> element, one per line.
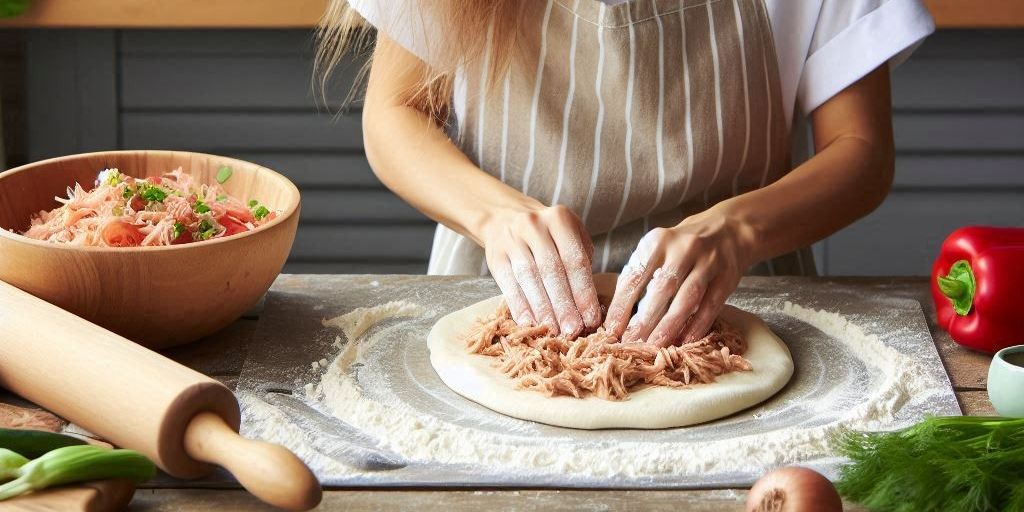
<point x="453" y="256"/>
<point x="483" y="93"/>
<point x="718" y="101"/>
<point x="629" y="137"/>
<point x="504" y="124"/>
<point x="436" y="248"/>
<point x="538" y="80"/>
<point x="659" y="127"/>
<point x="689" y="110"/>
<point x="596" y="170"/>
<point x="568" y="108"/>
<point x="746" y="97"/>
<point x="443" y="246"/>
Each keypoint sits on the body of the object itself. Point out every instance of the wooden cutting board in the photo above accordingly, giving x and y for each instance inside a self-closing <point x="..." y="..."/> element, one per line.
<point x="103" y="496"/>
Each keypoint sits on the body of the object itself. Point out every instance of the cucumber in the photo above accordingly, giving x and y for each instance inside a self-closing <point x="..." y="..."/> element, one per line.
<point x="33" y="443"/>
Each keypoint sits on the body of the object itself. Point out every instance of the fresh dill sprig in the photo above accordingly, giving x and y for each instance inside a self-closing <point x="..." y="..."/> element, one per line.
<point x="957" y="463"/>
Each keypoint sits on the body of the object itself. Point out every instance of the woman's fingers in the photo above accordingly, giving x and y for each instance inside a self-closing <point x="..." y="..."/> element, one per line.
<point x="541" y="260"/>
<point x="660" y="290"/>
<point x="628" y="288"/>
<point x="556" y="285"/>
<point x="572" y="249"/>
<point x="634" y="277"/>
<point x="530" y="281"/>
<point x="708" y="311"/>
<point x="685" y="303"/>
<point x="514" y="297"/>
<point x="584" y="293"/>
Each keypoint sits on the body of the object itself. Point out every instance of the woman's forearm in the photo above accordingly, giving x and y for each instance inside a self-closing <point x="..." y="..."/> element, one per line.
<point x="850" y="175"/>
<point x="846" y="181"/>
<point x="539" y="256"/>
<point x="414" y="157"/>
<point x="417" y="161"/>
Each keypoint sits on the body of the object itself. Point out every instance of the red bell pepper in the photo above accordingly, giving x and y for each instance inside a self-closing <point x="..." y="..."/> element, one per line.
<point x="978" y="287"/>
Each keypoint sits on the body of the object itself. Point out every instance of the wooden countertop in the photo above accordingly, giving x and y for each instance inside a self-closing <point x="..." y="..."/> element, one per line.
<point x="305" y="13"/>
<point x="223" y="355"/>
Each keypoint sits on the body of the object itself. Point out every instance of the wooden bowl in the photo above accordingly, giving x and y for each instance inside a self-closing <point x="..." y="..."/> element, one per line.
<point x="155" y="296"/>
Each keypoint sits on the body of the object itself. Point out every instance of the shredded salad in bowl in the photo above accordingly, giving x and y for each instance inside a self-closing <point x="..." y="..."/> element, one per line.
<point x="122" y="211"/>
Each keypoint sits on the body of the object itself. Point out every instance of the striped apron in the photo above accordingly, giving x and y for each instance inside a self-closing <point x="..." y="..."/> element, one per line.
<point x="635" y="116"/>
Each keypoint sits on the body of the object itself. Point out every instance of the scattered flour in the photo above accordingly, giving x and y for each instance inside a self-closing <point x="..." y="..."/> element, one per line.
<point x="426" y="438"/>
<point x="275" y="426"/>
<point x="356" y="322"/>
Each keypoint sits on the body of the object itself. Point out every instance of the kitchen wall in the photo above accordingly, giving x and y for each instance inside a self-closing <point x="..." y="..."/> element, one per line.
<point x="13" y="146"/>
<point x="959" y="120"/>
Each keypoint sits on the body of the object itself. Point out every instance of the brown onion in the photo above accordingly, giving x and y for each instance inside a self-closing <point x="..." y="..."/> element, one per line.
<point x="793" y="489"/>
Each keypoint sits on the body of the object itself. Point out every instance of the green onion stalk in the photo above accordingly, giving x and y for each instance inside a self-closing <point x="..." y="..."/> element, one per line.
<point x="10" y="464"/>
<point x="968" y="463"/>
<point x="77" y="464"/>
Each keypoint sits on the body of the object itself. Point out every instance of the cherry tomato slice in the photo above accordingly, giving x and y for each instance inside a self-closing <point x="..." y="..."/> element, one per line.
<point x="122" y="234"/>
<point x="232" y="226"/>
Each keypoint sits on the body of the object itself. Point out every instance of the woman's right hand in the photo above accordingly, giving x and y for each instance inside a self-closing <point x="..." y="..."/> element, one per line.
<point x="541" y="258"/>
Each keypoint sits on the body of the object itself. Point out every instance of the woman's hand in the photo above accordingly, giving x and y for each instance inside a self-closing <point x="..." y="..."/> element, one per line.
<point x="684" y="274"/>
<point x="540" y="256"/>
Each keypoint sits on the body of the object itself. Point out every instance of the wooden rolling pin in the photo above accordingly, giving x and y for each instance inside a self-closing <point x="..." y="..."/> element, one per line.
<point x="181" y="419"/>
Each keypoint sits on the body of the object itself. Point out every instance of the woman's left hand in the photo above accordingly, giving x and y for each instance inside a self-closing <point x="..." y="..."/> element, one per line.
<point x="684" y="274"/>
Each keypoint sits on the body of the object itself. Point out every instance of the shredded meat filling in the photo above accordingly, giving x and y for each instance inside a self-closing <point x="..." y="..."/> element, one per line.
<point x="599" y="364"/>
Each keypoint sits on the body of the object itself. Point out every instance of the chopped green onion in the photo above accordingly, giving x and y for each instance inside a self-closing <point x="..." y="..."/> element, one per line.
<point x="260" y="212"/>
<point x="206" y="230"/>
<point x="78" y="464"/>
<point x="223" y="174"/>
<point x="200" y="207"/>
<point x="128" y="192"/>
<point x="179" y="228"/>
<point x="152" y="193"/>
<point x="221" y="198"/>
<point x="111" y="177"/>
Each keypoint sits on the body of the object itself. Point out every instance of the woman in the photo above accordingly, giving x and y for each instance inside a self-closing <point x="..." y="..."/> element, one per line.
<point x="554" y="138"/>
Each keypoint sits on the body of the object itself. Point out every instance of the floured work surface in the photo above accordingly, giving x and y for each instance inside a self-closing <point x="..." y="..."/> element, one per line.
<point x="373" y="413"/>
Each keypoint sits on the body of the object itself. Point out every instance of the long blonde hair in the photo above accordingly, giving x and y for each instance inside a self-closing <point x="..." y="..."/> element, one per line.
<point x="469" y="28"/>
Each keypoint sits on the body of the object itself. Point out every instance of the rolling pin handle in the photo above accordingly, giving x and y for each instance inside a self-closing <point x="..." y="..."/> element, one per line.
<point x="268" y="471"/>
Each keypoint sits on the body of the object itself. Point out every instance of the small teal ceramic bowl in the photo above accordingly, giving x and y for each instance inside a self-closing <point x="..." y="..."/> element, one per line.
<point x="1006" y="382"/>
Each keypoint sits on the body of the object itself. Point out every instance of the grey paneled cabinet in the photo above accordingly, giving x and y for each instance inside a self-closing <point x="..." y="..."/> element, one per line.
<point x="959" y="119"/>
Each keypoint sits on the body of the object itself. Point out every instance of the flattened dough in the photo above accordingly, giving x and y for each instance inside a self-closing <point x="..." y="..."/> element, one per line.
<point x="474" y="377"/>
